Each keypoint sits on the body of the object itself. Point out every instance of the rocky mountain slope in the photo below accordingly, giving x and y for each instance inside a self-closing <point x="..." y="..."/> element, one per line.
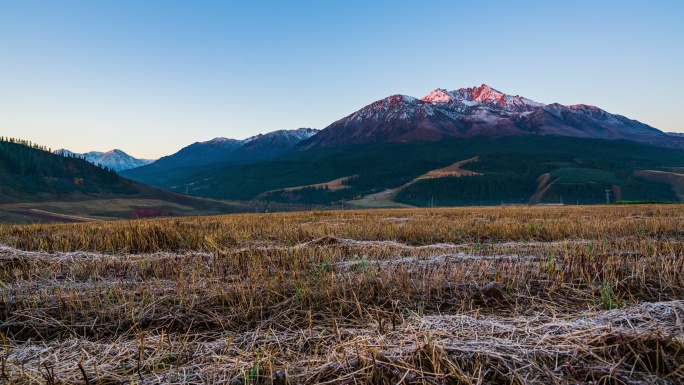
<point x="479" y="112"/>
<point x="222" y="150"/>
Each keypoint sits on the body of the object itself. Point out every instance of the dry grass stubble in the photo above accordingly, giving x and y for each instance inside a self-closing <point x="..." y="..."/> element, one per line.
<point x="462" y="296"/>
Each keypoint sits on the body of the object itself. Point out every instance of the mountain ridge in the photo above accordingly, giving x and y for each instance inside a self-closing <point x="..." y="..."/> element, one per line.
<point x="509" y="163"/>
<point x="220" y="150"/>
<point x="478" y="112"/>
<point x="398" y="138"/>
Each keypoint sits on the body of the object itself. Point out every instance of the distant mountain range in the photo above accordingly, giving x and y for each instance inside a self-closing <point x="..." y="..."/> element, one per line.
<point x="464" y="113"/>
<point x="469" y="146"/>
<point x="478" y="112"/>
<point x="116" y="160"/>
<point x="473" y="145"/>
<point x="223" y="150"/>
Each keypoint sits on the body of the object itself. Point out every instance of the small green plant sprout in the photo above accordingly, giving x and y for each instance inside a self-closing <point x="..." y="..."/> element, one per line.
<point x="607" y="297"/>
<point x="550" y="264"/>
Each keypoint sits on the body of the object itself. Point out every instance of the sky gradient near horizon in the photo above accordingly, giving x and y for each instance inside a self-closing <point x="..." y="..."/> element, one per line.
<point x="152" y="77"/>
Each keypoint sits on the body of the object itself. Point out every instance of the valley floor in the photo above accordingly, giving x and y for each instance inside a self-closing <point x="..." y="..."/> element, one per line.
<point x="95" y="210"/>
<point x="496" y="295"/>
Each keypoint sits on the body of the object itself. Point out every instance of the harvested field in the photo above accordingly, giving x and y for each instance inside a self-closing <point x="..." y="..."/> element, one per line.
<point x="498" y="295"/>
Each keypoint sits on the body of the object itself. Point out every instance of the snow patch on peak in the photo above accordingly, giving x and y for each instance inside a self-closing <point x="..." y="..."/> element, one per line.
<point x="485" y="93"/>
<point x="219" y="140"/>
<point x="588" y="109"/>
<point x="384" y="110"/>
<point x="287" y="135"/>
<point x="408" y="99"/>
<point x="437" y="96"/>
<point x="490" y="96"/>
<point x="584" y="107"/>
<point x="304" y="133"/>
<point x="63" y="152"/>
<point x="393" y="100"/>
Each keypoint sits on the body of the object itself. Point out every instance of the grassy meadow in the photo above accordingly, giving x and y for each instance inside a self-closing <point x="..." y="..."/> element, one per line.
<point x="495" y="295"/>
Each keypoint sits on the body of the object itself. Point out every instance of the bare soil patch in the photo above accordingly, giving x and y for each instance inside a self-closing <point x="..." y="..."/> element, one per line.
<point x="451" y="170"/>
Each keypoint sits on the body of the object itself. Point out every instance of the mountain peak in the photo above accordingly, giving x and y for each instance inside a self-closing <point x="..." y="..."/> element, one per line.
<point x="218" y="140"/>
<point x="491" y="96"/>
<point x="483" y="96"/>
<point x="439" y="95"/>
<point x="486" y="93"/>
<point x="480" y="111"/>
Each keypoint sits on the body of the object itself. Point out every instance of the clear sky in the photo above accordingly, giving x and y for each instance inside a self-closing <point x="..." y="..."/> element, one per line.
<point x="150" y="77"/>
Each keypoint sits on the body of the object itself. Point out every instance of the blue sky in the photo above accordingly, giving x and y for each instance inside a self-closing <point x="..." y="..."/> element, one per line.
<point x="150" y="77"/>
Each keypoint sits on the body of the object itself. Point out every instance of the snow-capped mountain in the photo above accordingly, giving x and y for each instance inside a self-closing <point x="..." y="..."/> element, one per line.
<point x="676" y="134"/>
<point x="67" y="153"/>
<point x="272" y="144"/>
<point x="114" y="159"/>
<point x="219" y="150"/>
<point x="478" y="112"/>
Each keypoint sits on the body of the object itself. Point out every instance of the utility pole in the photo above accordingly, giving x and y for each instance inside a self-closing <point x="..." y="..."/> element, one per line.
<point x="608" y="196"/>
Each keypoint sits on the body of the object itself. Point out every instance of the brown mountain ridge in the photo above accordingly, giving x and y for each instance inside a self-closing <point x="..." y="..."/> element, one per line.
<point x="479" y="112"/>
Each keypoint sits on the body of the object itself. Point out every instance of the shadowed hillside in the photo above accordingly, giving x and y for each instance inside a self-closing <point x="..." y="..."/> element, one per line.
<point x="507" y="170"/>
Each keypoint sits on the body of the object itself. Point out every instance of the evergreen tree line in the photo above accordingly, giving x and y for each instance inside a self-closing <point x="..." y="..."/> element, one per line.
<point x="26" y="143"/>
<point x="507" y="177"/>
<point x="510" y="168"/>
<point x="512" y="178"/>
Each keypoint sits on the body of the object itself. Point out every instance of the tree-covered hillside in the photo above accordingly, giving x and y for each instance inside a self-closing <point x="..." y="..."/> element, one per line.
<point x="32" y="174"/>
<point x="30" y="170"/>
<point x="510" y="166"/>
<point x="514" y="178"/>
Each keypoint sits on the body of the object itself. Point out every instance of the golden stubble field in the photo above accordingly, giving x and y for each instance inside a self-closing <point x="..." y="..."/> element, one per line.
<point x="500" y="295"/>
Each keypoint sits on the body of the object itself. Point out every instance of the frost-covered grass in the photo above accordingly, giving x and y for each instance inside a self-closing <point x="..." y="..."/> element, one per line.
<point x="553" y="295"/>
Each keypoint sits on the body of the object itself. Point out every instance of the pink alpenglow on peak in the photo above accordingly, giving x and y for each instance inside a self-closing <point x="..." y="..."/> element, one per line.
<point x="487" y="94"/>
<point x="482" y="95"/>
<point x="437" y="96"/>
<point x="477" y="112"/>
